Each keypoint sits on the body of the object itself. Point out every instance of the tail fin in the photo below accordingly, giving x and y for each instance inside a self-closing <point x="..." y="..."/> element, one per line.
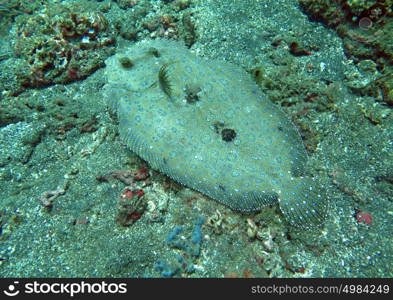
<point x="304" y="205"/>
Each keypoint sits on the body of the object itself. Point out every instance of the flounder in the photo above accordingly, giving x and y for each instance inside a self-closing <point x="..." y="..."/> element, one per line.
<point x="206" y="124"/>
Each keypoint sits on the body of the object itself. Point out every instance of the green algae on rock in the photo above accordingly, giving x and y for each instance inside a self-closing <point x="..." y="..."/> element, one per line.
<point x="207" y="125"/>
